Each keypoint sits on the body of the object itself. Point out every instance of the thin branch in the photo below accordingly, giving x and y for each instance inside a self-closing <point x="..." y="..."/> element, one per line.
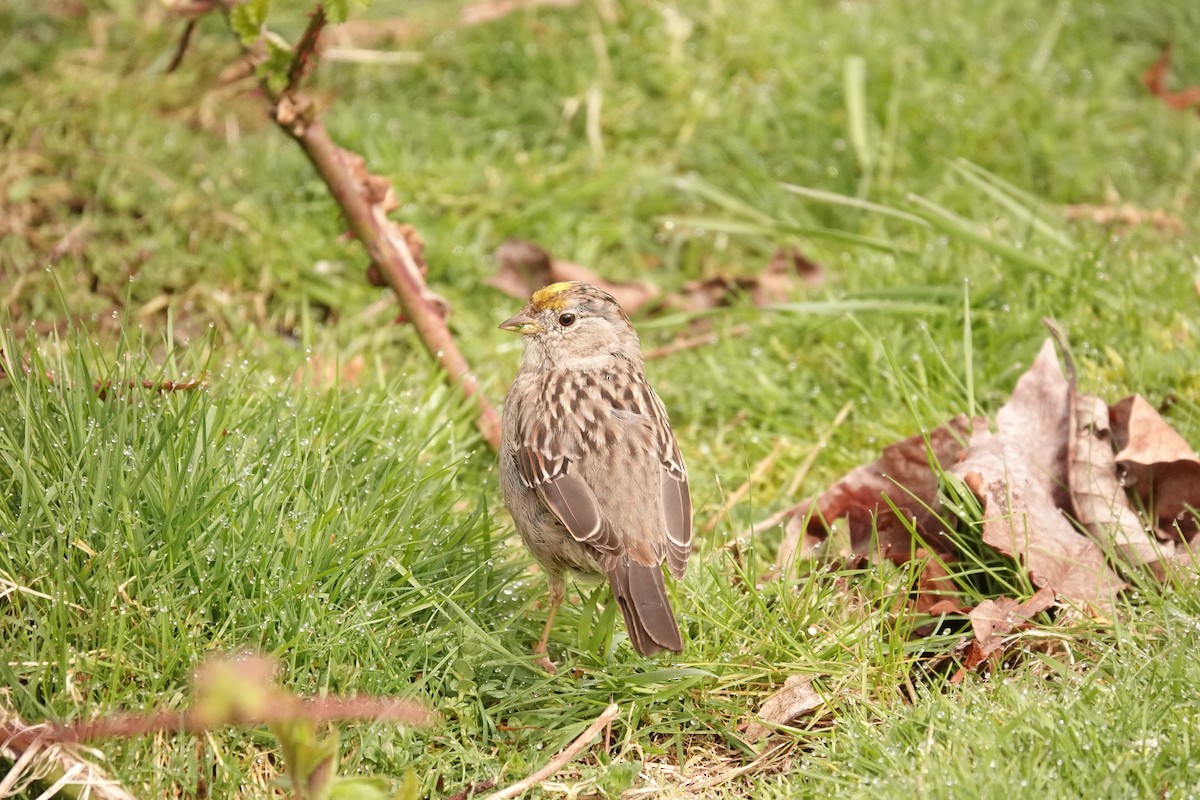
<point x="394" y="258"/>
<point x="319" y="710"/>
<point x="185" y="40"/>
<point x="559" y="761"/>
<point x="35" y="758"/>
<point x="365" y="200"/>
<point x="306" y="50"/>
<point x="756" y="765"/>
<point x="785" y="559"/>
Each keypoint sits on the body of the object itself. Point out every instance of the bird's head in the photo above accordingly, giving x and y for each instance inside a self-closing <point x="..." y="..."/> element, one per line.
<point x="574" y="324"/>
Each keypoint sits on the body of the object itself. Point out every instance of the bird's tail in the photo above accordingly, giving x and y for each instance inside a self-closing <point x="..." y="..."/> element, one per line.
<point x="642" y="596"/>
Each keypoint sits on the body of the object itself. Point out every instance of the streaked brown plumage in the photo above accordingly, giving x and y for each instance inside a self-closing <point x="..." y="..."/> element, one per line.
<point x="589" y="467"/>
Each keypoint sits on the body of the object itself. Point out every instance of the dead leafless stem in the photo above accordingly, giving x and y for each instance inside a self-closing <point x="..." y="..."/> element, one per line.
<point x="62" y="767"/>
<point x="391" y="254"/>
<point x="185" y="39"/>
<point x="306" y="50"/>
<point x="319" y="710"/>
<point x="559" y="761"/>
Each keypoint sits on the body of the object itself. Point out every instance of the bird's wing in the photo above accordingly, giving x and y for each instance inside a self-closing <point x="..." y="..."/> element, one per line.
<point x="676" y="499"/>
<point x="548" y="455"/>
<point x="561" y="451"/>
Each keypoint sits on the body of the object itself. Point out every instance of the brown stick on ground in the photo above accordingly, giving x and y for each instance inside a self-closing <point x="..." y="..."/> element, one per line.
<point x="362" y="202"/>
<point x="560" y="760"/>
<point x="61" y="767"/>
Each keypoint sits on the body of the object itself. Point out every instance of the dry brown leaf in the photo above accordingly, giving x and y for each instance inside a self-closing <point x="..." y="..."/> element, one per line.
<point x="1019" y="475"/>
<point x="631" y="295"/>
<point x="788" y="270"/>
<point x="992" y="620"/>
<point x="1159" y="465"/>
<point x="1155" y="79"/>
<point x="789" y="267"/>
<point x="902" y="475"/>
<point x="521" y="268"/>
<point x="524" y="267"/>
<point x="491" y="10"/>
<point x="936" y="593"/>
<point x="703" y="295"/>
<point x="1099" y="499"/>
<point x="796" y="699"/>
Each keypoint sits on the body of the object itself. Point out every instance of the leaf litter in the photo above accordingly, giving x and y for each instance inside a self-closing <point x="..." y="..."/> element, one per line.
<point x="1078" y="495"/>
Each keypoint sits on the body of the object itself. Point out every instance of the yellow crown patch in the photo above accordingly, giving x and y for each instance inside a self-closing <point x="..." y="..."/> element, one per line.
<point x="554" y="295"/>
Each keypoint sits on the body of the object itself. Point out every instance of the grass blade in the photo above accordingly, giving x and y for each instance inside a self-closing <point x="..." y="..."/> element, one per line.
<point x="963" y="229"/>
<point x="853" y="202"/>
<point x="1018" y="203"/>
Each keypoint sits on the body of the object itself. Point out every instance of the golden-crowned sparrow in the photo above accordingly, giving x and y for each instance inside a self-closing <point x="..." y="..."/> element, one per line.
<point x="589" y="467"/>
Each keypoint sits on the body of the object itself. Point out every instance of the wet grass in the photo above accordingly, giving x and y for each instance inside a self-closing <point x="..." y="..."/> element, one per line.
<point x="355" y="533"/>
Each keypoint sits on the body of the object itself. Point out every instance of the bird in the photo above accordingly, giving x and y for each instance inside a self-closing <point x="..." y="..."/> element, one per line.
<point x="589" y="466"/>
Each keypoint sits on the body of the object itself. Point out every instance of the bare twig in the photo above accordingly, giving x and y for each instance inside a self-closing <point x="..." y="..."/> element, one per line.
<point x="559" y="761"/>
<point x="365" y="201"/>
<point x="393" y="257"/>
<point x="185" y="39"/>
<point x="358" y="55"/>
<point x="306" y="50"/>
<point x="70" y="241"/>
<point x="490" y="10"/>
<point x="34" y="758"/>
<point x="319" y="710"/>
<point x="795" y="533"/>
<point x="806" y="465"/>
<point x="759" y="764"/>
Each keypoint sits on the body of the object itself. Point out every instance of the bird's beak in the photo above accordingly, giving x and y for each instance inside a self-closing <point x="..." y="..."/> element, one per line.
<point x="521" y="323"/>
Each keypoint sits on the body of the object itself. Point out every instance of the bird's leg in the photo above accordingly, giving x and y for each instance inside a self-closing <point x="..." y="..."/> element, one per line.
<point x="558" y="589"/>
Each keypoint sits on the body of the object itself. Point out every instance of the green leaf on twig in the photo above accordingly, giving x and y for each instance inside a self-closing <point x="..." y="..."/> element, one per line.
<point x="247" y="19"/>
<point x="274" y="68"/>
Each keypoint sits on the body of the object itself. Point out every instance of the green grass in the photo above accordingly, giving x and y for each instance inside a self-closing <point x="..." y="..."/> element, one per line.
<point x="921" y="154"/>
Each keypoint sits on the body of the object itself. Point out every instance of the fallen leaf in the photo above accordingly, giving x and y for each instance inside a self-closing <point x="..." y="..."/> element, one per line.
<point x="1099" y="499"/>
<point x="631" y="295"/>
<point x="524" y="267"/>
<point x="1159" y="465"/>
<point x="355" y="33"/>
<point x="796" y="699"/>
<point x="1155" y="79"/>
<point x="789" y="267"/>
<point x="788" y="270"/>
<point x="1019" y="475"/>
<point x="703" y="295"/>
<point x="992" y="620"/>
<point x="935" y="593"/>
<point x="902" y="478"/>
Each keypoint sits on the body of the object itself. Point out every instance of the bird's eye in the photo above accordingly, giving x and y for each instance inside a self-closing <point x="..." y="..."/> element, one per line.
<point x="566" y="320"/>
